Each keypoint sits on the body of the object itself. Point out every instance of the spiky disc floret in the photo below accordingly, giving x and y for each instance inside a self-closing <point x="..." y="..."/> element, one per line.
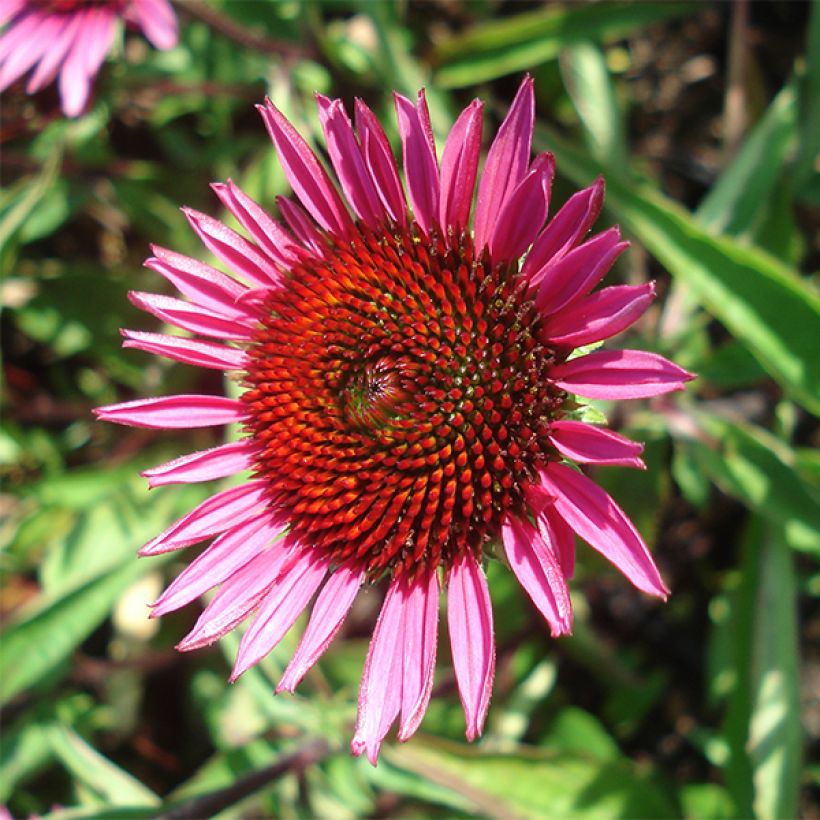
<point x="399" y="392"/>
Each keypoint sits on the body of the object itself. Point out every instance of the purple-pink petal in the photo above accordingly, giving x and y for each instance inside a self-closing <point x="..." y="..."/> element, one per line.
<point x="620" y="374"/>
<point x="507" y="162"/>
<point x="205" y="465"/>
<point x="535" y="565"/>
<point x="420" y="166"/>
<point x="577" y="273"/>
<point x="210" y="355"/>
<point x="470" y="622"/>
<point x="227" y="555"/>
<point x="594" y="515"/>
<point x="193" y="318"/>
<point x="303" y="227"/>
<point x="554" y="530"/>
<point x="524" y="212"/>
<point x="598" y="316"/>
<point x="215" y="515"/>
<point x="459" y="166"/>
<point x="158" y="22"/>
<point x="305" y="173"/>
<point x="565" y="231"/>
<point x="283" y="603"/>
<point x="594" y="445"/>
<point x="179" y="412"/>
<point x="329" y="611"/>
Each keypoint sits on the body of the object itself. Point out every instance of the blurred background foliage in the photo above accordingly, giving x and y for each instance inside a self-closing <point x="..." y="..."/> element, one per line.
<point x="705" y="120"/>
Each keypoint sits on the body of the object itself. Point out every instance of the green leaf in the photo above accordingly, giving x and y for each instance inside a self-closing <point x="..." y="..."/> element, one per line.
<point x="587" y="78"/>
<point x="530" y="782"/>
<point x="805" y="173"/>
<point x="757" y="468"/>
<point x="738" y="198"/>
<point x="520" y="43"/>
<point x="764" y="303"/>
<point x="114" y="786"/>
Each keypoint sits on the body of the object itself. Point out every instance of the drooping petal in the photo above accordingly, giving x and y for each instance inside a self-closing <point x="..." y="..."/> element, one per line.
<point x="420" y="636"/>
<point x="199" y="282"/>
<point x="227" y="555"/>
<point x="535" y="565"/>
<point x="560" y="535"/>
<point x="283" y="603"/>
<point x="348" y="162"/>
<point x="240" y="595"/>
<point x="594" y="445"/>
<point x="420" y="166"/>
<point x="215" y="515"/>
<point x="380" y="162"/>
<point x="305" y="173"/>
<point x="158" y="22"/>
<point x="180" y="412"/>
<point x="205" y="465"/>
<point x="268" y="234"/>
<point x="234" y="250"/>
<point x="620" y="374"/>
<point x="507" y="162"/>
<point x="32" y="36"/>
<point x="577" y="273"/>
<point x="564" y="232"/>
<point x="10" y="9"/>
<point x="470" y="621"/>
<point x="191" y="351"/>
<point x="193" y="318"/>
<point x="603" y="525"/>
<point x="524" y="211"/>
<point x="380" y="692"/>
<point x="329" y="611"/>
<point x="598" y="316"/>
<point x="459" y="166"/>
<point x="54" y="55"/>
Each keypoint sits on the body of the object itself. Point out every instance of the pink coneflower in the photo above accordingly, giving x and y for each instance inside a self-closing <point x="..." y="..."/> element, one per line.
<point x="71" y="38"/>
<point x="408" y="401"/>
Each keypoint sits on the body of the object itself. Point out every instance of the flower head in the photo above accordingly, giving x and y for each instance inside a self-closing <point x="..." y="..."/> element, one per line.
<point x="71" y="38"/>
<point x="406" y="406"/>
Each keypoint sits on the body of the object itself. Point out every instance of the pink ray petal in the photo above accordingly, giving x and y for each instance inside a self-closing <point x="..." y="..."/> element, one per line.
<point x="268" y="234"/>
<point x="459" y="166"/>
<point x="199" y="282"/>
<point x="284" y="602"/>
<point x="303" y="227"/>
<point x="193" y="318"/>
<point x="419" y="654"/>
<point x="380" y="162"/>
<point x="577" y="273"/>
<point x="565" y="231"/>
<point x="11" y="8"/>
<point x="158" y="22"/>
<point x="329" y="612"/>
<point x="535" y="565"/>
<point x="507" y="162"/>
<point x="217" y="514"/>
<point x="205" y="465"/>
<point x="347" y="161"/>
<point x="44" y="29"/>
<point x="470" y="621"/>
<point x="620" y="374"/>
<point x="524" y="211"/>
<point x="593" y="445"/>
<point x="226" y="556"/>
<point x="420" y="166"/>
<point x="603" y="525"/>
<point x="181" y="412"/>
<point x="380" y="693"/>
<point x="598" y="316"/>
<point x="234" y="250"/>
<point x="54" y="55"/>
<point x="305" y="173"/>
<point x="240" y="595"/>
<point x="560" y="535"/>
<point x="210" y="355"/>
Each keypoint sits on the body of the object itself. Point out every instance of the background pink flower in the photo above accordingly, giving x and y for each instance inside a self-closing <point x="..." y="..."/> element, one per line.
<point x="70" y="38"/>
<point x="407" y="400"/>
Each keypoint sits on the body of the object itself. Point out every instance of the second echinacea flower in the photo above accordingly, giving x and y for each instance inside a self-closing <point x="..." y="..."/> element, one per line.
<point x="408" y="383"/>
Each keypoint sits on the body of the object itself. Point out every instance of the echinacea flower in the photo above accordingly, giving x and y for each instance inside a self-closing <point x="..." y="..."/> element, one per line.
<point x="408" y="384"/>
<point x="71" y="38"/>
